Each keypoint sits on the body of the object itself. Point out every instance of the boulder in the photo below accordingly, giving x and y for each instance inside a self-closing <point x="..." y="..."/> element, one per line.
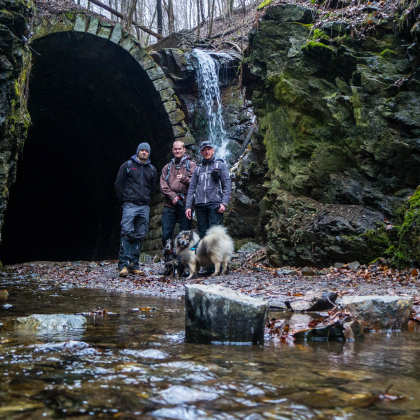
<point x="338" y="331"/>
<point x="307" y="271"/>
<point x="250" y="247"/>
<point x="312" y="302"/>
<point x="53" y="322"/>
<point x="380" y="312"/>
<point x="354" y="265"/>
<point x="215" y="314"/>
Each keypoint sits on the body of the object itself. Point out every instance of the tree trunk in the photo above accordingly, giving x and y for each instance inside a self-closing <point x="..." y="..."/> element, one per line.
<point x="159" y="16"/>
<point x="211" y="14"/>
<point x="171" y="18"/>
<point x="230" y="6"/>
<point x="198" y="19"/>
<point x="202" y="11"/>
<point x="151" y="24"/>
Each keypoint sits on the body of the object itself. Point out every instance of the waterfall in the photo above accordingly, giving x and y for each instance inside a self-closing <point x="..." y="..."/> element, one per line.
<point x="210" y="102"/>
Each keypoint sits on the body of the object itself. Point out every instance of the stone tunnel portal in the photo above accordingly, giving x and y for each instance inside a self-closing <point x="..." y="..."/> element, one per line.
<point x="91" y="105"/>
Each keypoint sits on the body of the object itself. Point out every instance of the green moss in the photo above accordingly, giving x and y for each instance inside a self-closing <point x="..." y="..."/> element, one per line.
<point x="407" y="251"/>
<point x="263" y="4"/>
<point x="371" y="245"/>
<point x="310" y="45"/>
<point x="306" y="25"/>
<point x="319" y="34"/>
<point x="274" y="79"/>
<point x="387" y="53"/>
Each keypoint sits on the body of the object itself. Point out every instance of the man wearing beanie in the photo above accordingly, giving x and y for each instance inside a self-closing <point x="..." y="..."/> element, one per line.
<point x="135" y="184"/>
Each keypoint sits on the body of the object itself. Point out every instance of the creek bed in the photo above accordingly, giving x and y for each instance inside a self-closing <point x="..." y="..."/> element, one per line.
<point x="104" y="370"/>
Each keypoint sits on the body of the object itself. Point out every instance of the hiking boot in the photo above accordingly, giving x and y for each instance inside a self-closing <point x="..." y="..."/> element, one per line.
<point x="124" y="272"/>
<point x="137" y="272"/>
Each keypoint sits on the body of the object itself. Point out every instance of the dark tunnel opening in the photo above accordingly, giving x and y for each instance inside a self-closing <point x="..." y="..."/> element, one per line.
<point x="91" y="105"/>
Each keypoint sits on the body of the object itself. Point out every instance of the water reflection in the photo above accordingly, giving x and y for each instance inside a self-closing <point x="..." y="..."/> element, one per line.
<point x="136" y="365"/>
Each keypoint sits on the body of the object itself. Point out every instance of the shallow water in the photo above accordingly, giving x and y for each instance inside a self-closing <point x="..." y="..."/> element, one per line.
<point x="135" y="364"/>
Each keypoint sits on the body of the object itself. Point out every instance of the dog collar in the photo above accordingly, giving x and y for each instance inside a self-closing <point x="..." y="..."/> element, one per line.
<point x="194" y="248"/>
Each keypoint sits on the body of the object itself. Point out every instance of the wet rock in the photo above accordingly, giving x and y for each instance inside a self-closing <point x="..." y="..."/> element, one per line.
<point x="312" y="302"/>
<point x="288" y="272"/>
<point x="307" y="271"/>
<point x="354" y="265"/>
<point x="146" y="354"/>
<point x="380" y="312"/>
<point x="179" y="394"/>
<point x="60" y="346"/>
<point x="52" y="322"/>
<point x="338" y="265"/>
<point x="250" y="247"/>
<point x="215" y="314"/>
<point x="348" y="331"/>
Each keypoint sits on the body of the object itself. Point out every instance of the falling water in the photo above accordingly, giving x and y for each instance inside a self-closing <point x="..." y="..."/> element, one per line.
<point x="209" y="99"/>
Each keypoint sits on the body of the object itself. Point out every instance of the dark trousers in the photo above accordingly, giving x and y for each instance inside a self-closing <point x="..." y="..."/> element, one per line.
<point x="207" y="216"/>
<point x="134" y="227"/>
<point x="170" y="217"/>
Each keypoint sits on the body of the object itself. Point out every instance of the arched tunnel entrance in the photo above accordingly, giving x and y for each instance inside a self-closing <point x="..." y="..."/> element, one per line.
<point x="91" y="105"/>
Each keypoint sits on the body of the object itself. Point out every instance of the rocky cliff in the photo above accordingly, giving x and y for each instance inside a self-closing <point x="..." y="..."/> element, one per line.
<point x="14" y="69"/>
<point x="338" y="110"/>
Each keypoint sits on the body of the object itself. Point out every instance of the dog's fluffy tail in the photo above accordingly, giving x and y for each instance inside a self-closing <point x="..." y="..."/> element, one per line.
<point x="217" y="230"/>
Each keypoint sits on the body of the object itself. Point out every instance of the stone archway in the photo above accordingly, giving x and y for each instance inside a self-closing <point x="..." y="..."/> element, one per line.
<point x="94" y="94"/>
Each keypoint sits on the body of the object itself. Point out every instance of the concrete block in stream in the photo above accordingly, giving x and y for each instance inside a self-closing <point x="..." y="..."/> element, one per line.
<point x="380" y="312"/>
<point x="218" y="315"/>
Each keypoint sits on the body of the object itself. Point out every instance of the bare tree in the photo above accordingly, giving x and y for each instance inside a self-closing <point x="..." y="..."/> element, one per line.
<point x="159" y="16"/>
<point x="171" y="18"/>
<point x="198" y="18"/>
<point x="211" y="14"/>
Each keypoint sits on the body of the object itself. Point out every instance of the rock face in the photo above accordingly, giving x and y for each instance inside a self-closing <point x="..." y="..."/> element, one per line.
<point x="217" y="314"/>
<point x="380" y="312"/>
<point x="53" y="322"/>
<point x="14" y="63"/>
<point x="337" y="114"/>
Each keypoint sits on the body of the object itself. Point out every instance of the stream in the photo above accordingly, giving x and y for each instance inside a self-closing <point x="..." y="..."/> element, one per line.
<point x="134" y="363"/>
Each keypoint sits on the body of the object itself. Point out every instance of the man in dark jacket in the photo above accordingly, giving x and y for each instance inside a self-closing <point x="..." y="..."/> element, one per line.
<point x="135" y="184"/>
<point x="210" y="189"/>
<point x="174" y="182"/>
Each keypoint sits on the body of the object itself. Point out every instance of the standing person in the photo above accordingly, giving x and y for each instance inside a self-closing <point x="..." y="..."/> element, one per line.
<point x="135" y="184"/>
<point x="174" y="183"/>
<point x="210" y="186"/>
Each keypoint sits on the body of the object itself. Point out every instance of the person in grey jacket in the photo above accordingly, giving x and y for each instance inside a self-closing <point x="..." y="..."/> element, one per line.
<point x="209" y="189"/>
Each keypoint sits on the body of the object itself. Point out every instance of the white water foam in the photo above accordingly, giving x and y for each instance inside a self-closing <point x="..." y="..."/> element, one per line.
<point x="210" y="101"/>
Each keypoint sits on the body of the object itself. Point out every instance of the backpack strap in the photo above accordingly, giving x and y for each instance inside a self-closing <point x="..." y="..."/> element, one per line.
<point x="217" y="167"/>
<point x="169" y="171"/>
<point x="129" y="162"/>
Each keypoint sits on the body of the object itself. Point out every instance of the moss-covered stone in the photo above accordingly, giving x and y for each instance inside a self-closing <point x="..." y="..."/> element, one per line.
<point x="264" y="4"/>
<point x="407" y="251"/>
<point x="338" y="132"/>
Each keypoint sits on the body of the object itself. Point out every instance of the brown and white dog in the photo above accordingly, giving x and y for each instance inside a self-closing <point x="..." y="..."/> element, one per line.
<point x="215" y="248"/>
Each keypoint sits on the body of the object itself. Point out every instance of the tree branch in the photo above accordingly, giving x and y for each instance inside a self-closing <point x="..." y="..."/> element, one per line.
<point x="118" y="14"/>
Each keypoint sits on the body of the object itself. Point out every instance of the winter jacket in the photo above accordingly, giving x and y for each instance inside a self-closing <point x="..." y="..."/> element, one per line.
<point x="204" y="190"/>
<point x="136" y="185"/>
<point x="172" y="187"/>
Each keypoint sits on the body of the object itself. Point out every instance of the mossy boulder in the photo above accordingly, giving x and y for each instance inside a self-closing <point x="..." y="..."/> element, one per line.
<point x="340" y="123"/>
<point x="406" y="252"/>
